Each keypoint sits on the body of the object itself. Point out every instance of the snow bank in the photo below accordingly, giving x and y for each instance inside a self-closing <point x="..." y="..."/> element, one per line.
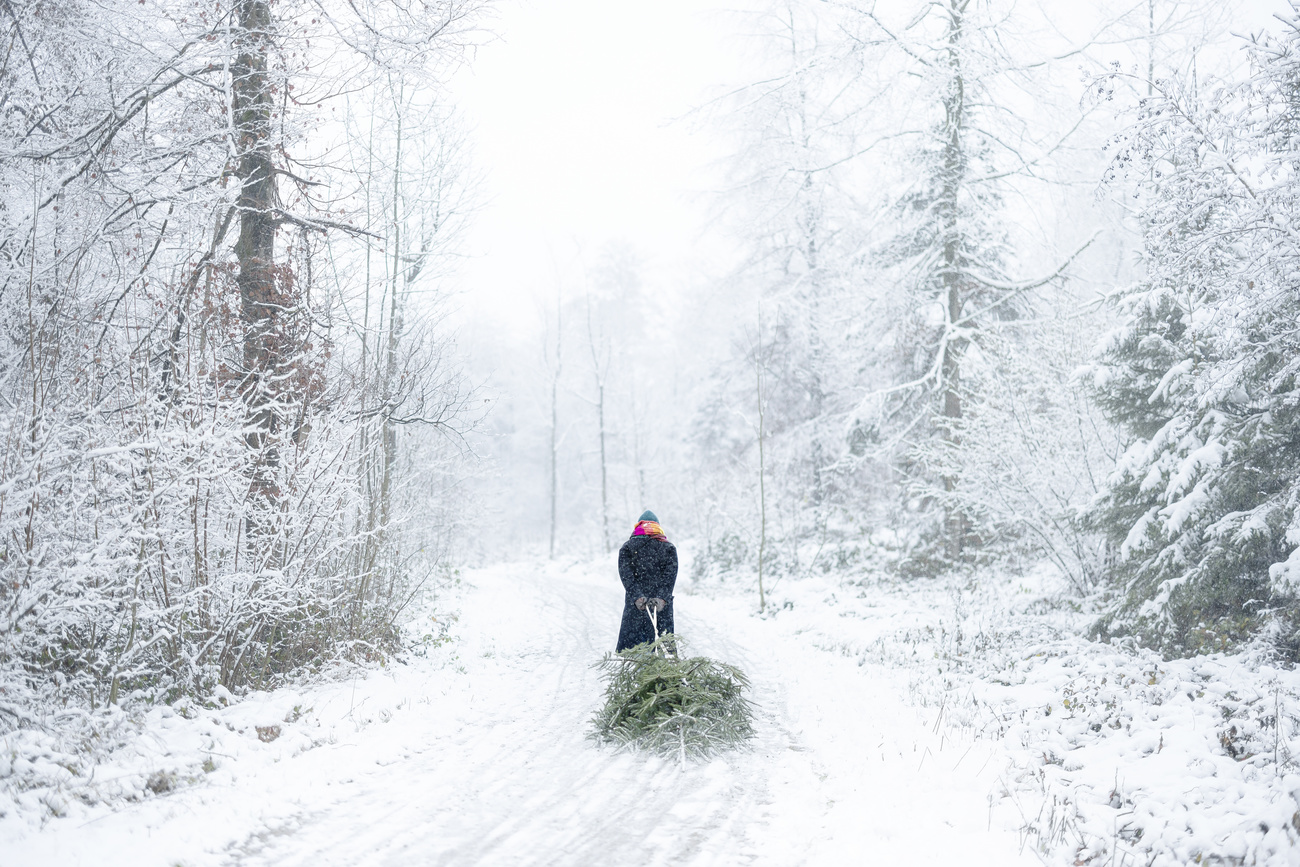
<point x="907" y="721"/>
<point x="116" y="757"/>
<point x="1115" y="755"/>
<point x="228" y="759"/>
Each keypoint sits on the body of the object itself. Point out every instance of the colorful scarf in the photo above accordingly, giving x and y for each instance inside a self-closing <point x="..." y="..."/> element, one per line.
<point x="651" y="529"/>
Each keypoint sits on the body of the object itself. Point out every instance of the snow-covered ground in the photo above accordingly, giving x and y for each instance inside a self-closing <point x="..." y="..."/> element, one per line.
<point x="899" y="723"/>
<point x="1114" y="755"/>
<point x="477" y="754"/>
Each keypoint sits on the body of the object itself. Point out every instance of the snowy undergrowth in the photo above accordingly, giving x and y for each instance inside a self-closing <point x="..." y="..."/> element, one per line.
<point x="79" y="765"/>
<point x="113" y="757"/>
<point x="1108" y="754"/>
<point x="1115" y="755"/>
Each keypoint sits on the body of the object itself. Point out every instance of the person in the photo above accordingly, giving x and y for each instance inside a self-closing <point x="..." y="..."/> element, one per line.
<point x="647" y="565"/>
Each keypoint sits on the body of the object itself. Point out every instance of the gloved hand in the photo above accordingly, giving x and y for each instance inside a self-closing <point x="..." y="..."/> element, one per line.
<point x="659" y="604"/>
<point x="640" y="604"/>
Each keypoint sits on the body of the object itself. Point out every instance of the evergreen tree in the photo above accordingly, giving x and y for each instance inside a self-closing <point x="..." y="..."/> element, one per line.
<point x="1203" y="375"/>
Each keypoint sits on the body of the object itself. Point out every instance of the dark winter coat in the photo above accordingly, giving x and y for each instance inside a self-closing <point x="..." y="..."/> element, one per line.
<point x="648" y="567"/>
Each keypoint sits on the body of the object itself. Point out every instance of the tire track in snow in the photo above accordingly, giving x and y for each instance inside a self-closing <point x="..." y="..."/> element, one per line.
<point x="841" y="769"/>
<point x="518" y="783"/>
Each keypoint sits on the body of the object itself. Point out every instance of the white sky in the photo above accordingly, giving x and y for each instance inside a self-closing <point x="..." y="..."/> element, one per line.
<point x="577" y="115"/>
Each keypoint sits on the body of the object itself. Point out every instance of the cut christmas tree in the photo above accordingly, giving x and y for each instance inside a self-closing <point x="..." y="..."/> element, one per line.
<point x="659" y="702"/>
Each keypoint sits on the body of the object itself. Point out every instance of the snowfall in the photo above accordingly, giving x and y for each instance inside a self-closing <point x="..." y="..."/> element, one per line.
<point x="956" y="721"/>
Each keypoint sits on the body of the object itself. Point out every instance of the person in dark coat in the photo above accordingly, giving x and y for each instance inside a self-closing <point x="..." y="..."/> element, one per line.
<point x="647" y="564"/>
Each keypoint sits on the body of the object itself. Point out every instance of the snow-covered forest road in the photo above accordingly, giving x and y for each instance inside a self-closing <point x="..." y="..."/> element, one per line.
<point x="478" y="755"/>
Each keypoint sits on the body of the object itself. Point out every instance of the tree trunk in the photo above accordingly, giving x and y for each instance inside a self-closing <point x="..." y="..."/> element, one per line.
<point x="1151" y="48"/>
<point x="954" y="168"/>
<point x="365" y="460"/>
<point x="812" y="256"/>
<point x="762" y="467"/>
<point x="600" y="372"/>
<point x="555" y="416"/>
<point x="260" y="298"/>
<point x="396" y="317"/>
<point x="604" y="476"/>
<point x="816" y="353"/>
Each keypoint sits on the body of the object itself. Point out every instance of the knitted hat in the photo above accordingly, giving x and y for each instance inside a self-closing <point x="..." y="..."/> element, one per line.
<point x="648" y="515"/>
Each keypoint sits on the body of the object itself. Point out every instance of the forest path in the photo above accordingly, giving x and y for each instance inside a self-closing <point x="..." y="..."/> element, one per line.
<point x="493" y="767"/>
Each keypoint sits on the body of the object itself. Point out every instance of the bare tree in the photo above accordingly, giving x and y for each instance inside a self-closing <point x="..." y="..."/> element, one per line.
<point x="266" y="296"/>
<point x="556" y="370"/>
<point x="180" y="407"/>
<point x="762" y="461"/>
<point x="953" y="258"/>
<point x="600" y="346"/>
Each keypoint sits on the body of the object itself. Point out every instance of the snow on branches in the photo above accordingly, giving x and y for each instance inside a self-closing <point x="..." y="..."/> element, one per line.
<point x="207" y="348"/>
<point x="1202" y="377"/>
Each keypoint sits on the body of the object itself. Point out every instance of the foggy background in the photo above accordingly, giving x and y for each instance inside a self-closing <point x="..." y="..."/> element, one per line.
<point x="618" y="164"/>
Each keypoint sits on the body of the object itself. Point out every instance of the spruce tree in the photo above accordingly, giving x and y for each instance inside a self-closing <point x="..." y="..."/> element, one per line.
<point x="1202" y="376"/>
